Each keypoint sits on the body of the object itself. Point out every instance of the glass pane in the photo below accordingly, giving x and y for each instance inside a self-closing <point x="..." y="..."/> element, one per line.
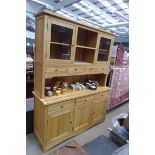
<point x="61" y="34"/>
<point x="104" y="49"/>
<point x="103" y="55"/>
<point x="60" y="52"/>
<point x="105" y="43"/>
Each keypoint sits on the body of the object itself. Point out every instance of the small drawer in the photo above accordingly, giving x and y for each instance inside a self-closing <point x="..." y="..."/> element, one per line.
<point x="56" y="70"/>
<point x="60" y="70"/>
<point x="90" y="69"/>
<point x="75" y="70"/>
<point x="101" y="96"/>
<point x="102" y="69"/>
<point x="61" y="105"/>
<point x="84" y="100"/>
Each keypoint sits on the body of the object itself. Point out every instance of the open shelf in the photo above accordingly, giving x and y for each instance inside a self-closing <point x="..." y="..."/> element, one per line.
<point x="85" y="47"/>
<point x="62" y="52"/>
<point x="81" y="63"/>
<point x="86" y="38"/>
<point x="77" y="78"/>
<point x="60" y="43"/>
<point x="101" y="78"/>
<point x="61" y="34"/>
<point x="84" y="55"/>
<point x="70" y="94"/>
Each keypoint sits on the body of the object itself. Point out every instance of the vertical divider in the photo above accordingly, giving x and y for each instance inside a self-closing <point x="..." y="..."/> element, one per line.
<point x="97" y="47"/>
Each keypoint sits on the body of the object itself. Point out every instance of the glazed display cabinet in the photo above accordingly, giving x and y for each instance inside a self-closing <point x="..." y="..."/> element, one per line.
<point x="68" y="51"/>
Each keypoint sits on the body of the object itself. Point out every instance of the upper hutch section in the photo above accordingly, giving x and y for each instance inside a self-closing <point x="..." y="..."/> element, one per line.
<point x="71" y="42"/>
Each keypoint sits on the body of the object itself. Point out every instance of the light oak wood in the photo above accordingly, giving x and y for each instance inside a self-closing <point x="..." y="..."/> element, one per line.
<point x="59" y="124"/>
<point x="66" y="50"/>
<point x="70" y="95"/>
<point x="82" y="114"/>
<point x="99" y="111"/>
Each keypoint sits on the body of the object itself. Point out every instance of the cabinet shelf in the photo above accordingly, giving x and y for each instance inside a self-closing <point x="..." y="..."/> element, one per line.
<point x="63" y="44"/>
<point x="105" y="50"/>
<point x="85" y="47"/>
<point x="81" y="63"/>
<point x="70" y="94"/>
<point x="84" y="55"/>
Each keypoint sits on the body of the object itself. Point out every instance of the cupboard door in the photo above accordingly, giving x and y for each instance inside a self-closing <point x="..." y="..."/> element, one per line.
<point x="60" y="41"/>
<point x="104" y="48"/>
<point x="82" y="116"/>
<point x="99" y="111"/>
<point x="59" y="125"/>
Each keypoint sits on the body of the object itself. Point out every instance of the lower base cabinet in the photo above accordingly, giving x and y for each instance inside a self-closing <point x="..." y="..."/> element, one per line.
<point x="59" y="125"/>
<point x="63" y="120"/>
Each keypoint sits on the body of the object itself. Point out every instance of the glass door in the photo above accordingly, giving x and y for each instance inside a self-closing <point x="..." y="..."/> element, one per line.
<point x="104" y="49"/>
<point x="60" y="41"/>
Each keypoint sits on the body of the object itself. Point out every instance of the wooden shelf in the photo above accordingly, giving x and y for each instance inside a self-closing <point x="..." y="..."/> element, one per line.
<point x="81" y="63"/>
<point x="85" y="47"/>
<point x="70" y="94"/>
<point x="103" y="50"/>
<point x="63" y="44"/>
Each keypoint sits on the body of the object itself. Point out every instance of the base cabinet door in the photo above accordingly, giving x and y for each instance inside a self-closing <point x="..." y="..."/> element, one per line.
<point x="82" y="117"/>
<point x="98" y="111"/>
<point x="59" y="125"/>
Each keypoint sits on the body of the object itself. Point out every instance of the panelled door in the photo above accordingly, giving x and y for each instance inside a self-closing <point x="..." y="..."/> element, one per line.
<point x="104" y="48"/>
<point x="59" y="125"/>
<point x="60" y="41"/>
<point x="98" y="111"/>
<point x="82" y="117"/>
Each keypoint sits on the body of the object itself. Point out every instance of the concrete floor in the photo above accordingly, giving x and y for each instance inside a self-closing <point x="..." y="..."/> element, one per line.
<point x="33" y="147"/>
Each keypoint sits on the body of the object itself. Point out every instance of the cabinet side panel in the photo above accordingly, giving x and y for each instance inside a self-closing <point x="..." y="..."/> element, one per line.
<point x="39" y="119"/>
<point x="38" y="57"/>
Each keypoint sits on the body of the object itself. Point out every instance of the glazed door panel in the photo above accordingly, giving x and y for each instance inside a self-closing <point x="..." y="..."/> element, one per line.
<point x="104" y="49"/>
<point x="60" y="41"/>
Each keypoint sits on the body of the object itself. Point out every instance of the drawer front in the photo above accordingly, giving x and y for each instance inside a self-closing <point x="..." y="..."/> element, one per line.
<point x="57" y="70"/>
<point x="84" y="100"/>
<point x="101" y="96"/>
<point x="61" y="105"/>
<point x="75" y="70"/>
<point x="90" y="69"/>
<point x="106" y="94"/>
<point x="102" y="69"/>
